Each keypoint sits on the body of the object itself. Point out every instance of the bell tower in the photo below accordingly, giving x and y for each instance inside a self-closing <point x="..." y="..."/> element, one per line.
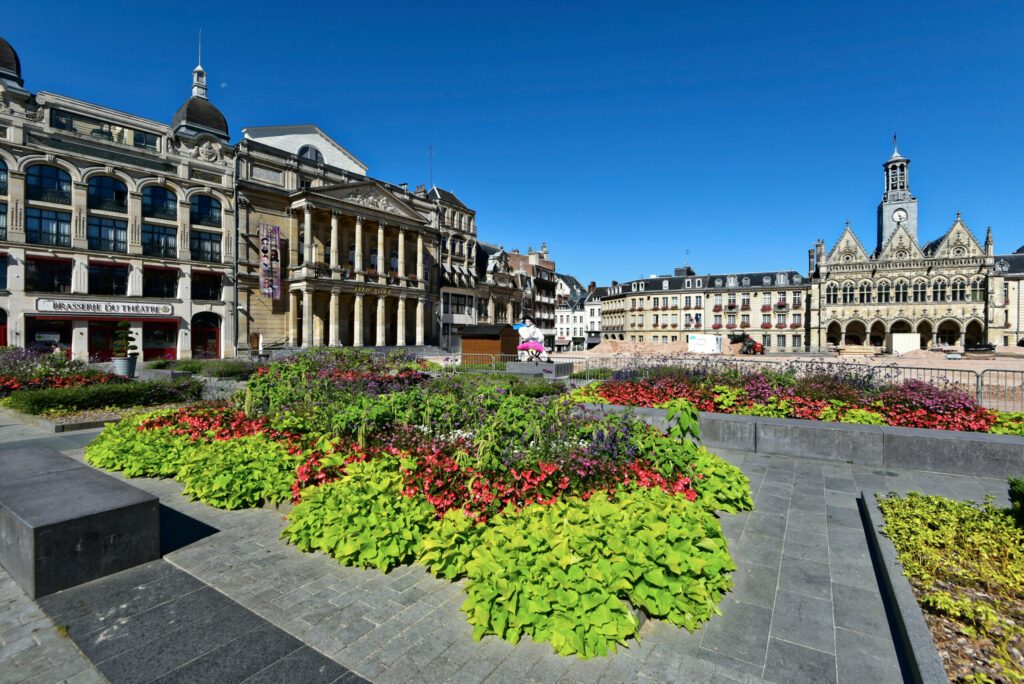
<point x="898" y="207"/>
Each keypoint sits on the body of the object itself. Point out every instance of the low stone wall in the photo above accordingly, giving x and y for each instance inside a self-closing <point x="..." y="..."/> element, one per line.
<point x="941" y="451"/>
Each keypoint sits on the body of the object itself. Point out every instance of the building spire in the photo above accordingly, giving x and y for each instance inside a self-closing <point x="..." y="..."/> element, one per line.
<point x="895" y="149"/>
<point x="198" y="74"/>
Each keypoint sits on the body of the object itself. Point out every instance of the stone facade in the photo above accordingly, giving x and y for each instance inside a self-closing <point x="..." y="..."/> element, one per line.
<point x="948" y="290"/>
<point x="771" y="307"/>
<point x="110" y="217"/>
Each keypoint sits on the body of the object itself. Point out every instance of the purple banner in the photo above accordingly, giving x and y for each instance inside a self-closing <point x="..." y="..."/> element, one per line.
<point x="270" y="261"/>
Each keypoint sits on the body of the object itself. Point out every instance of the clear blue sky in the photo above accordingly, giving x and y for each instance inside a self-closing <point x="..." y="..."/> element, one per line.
<point x="622" y="134"/>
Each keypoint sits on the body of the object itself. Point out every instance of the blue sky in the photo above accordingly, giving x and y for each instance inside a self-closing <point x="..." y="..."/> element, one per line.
<point x="623" y="135"/>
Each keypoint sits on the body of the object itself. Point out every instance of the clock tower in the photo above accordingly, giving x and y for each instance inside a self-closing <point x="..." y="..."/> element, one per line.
<point x="898" y="207"/>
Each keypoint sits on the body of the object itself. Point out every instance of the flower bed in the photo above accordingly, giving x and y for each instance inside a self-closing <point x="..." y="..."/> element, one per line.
<point x="965" y="563"/>
<point x="22" y="369"/>
<point x="560" y="521"/>
<point x="838" y="396"/>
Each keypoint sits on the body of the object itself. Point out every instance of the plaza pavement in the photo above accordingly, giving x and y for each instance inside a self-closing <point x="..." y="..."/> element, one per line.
<point x="806" y="606"/>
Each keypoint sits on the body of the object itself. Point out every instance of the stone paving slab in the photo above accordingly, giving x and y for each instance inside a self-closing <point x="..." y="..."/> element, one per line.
<point x="806" y="606"/>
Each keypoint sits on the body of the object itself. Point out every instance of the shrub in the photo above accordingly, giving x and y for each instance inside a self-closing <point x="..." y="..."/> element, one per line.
<point x="236" y="369"/>
<point x="1008" y="424"/>
<point x="159" y="364"/>
<point x="239" y="473"/>
<point x="1016" y="495"/>
<point x="138" y="453"/>
<point x="121" y="394"/>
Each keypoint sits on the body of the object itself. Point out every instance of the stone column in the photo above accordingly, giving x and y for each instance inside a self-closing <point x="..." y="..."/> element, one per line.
<point x="307" y="318"/>
<point x="134" y="225"/>
<point x="419" y="323"/>
<point x="358" y="265"/>
<point x="293" y="240"/>
<point x="381" y="323"/>
<point x="342" y="322"/>
<point x="134" y="279"/>
<point x="308" y="241"/>
<point x="419" y="261"/>
<point x="357" y="321"/>
<point x="401" y="255"/>
<point x="400" y="327"/>
<point x="293" y="318"/>
<point x="381" y="262"/>
<point x="335" y="246"/>
<point x="334" y="319"/>
<point x="509" y="311"/>
<point x="490" y="309"/>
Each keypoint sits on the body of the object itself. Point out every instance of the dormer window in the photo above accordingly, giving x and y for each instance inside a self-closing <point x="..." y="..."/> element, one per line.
<point x="664" y="284"/>
<point x="731" y="281"/>
<point x="781" y="279"/>
<point x="311" y="153"/>
<point x="699" y="283"/>
<point x="746" y="282"/>
<point x="718" y="282"/>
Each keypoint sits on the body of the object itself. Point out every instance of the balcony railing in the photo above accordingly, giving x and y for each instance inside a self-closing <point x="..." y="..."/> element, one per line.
<point x="781" y="306"/>
<point x="162" y="251"/>
<point x="49" y="239"/>
<point x="210" y="219"/>
<point x="730" y="307"/>
<point x="52" y="195"/>
<point x="162" y="213"/>
<point x="108" y="204"/>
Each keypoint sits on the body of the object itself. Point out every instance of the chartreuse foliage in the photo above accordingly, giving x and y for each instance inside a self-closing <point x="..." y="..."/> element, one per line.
<point x="561" y="573"/>
<point x="237" y="473"/>
<point x="967" y="563"/>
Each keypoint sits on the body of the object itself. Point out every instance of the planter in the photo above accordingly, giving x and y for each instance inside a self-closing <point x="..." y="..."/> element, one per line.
<point x="125" y="366"/>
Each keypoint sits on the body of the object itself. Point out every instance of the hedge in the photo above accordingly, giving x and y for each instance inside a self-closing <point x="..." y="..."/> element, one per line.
<point x="142" y="393"/>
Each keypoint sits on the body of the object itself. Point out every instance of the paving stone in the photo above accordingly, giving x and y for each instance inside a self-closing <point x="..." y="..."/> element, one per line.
<point x="795" y="664"/>
<point x="859" y="610"/>
<point x="757" y="548"/>
<point x="237" y="659"/>
<point x="804" y="620"/>
<point x="302" y="666"/>
<point x="866" y="658"/>
<point x="768" y="524"/>
<point x="844" y="517"/>
<point x="841" y="484"/>
<point x="814" y="503"/>
<point x="807" y="521"/>
<point x="810" y="578"/>
<point x="755" y="583"/>
<point x="801" y="543"/>
<point x="771" y="503"/>
<point x="741" y="632"/>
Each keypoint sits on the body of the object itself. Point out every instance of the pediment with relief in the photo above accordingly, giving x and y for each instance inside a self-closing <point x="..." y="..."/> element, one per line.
<point x="371" y="196"/>
<point x="848" y="249"/>
<point x="900" y="247"/>
<point x="958" y="243"/>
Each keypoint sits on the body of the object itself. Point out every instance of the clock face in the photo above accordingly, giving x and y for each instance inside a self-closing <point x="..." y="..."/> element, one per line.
<point x="899" y="216"/>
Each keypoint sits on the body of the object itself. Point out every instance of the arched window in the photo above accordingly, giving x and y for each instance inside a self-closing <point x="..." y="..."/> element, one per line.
<point x="978" y="291"/>
<point x="832" y="294"/>
<point x="883" y="293"/>
<point x="864" y="293"/>
<point x="48" y="184"/>
<point x="848" y="293"/>
<point x="204" y="211"/>
<point x="900" y="292"/>
<point x="108" y="194"/>
<point x="3" y="177"/>
<point x="958" y="291"/>
<point x="311" y="153"/>
<point x="159" y="203"/>
<point x="920" y="291"/>
<point x="939" y="291"/>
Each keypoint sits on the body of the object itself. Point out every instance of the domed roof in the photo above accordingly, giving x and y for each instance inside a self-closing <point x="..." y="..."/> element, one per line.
<point x="200" y="112"/>
<point x="10" y="64"/>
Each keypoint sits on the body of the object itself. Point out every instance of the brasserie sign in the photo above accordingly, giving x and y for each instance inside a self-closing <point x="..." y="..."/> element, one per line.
<point x="78" y="306"/>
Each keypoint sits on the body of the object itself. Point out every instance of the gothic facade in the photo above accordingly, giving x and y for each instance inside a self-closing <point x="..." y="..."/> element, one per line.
<point x="949" y="290"/>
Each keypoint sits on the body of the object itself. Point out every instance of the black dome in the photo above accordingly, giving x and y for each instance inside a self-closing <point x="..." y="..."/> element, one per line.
<point x="10" y="64"/>
<point x="200" y="112"/>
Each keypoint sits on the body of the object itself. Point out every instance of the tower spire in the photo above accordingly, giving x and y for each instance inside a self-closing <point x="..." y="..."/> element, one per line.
<point x="198" y="74"/>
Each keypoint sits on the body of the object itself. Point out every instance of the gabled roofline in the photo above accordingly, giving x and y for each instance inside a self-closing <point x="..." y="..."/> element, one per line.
<point x="302" y="128"/>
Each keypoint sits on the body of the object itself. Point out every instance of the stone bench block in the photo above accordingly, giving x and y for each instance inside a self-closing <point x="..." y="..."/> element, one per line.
<point x="728" y="431"/>
<point x="539" y="369"/>
<point x="861" y="444"/>
<point x="62" y="523"/>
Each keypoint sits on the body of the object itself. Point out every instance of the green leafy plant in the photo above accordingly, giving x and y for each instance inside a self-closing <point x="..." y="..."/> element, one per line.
<point x="863" y="417"/>
<point x="123" y="344"/>
<point x="1016" y="496"/>
<point x="239" y="473"/>
<point x="123" y="394"/>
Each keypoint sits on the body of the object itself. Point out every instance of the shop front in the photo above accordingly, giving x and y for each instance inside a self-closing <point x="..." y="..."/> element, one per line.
<point x="87" y="329"/>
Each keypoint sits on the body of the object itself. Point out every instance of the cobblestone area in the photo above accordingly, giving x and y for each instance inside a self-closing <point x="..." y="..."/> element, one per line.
<point x="32" y="648"/>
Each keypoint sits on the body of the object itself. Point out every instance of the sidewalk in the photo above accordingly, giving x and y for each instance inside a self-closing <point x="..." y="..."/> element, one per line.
<point x="806" y="606"/>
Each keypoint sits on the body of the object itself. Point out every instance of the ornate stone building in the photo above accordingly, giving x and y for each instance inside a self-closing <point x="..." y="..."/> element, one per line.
<point x="949" y="290"/>
<point x="108" y="217"/>
<point x="353" y="261"/>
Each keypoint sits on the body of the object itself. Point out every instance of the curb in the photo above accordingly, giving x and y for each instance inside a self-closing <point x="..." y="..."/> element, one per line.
<point x="912" y="633"/>
<point x="57" y="428"/>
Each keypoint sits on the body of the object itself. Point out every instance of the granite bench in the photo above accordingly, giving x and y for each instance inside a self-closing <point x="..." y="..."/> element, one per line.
<point x="63" y="523"/>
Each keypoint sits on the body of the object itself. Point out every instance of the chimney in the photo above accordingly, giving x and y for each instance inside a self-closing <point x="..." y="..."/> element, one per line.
<point x="421" y="190"/>
<point x="615" y="283"/>
<point x="591" y="287"/>
<point x="404" y="186"/>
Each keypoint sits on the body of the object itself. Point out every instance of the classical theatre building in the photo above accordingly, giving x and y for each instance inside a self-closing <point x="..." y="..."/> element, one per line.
<point x="108" y="217"/>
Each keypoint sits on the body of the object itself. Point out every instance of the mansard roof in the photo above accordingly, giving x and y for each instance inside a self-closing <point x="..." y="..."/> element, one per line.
<point x="447" y="197"/>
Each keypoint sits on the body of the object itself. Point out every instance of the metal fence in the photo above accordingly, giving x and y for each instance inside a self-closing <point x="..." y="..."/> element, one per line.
<point x="1001" y="390"/>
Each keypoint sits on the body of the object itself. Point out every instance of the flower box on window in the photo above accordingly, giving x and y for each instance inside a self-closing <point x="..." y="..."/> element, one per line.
<point x="744" y="324"/>
<point x="745" y="307"/>
<point x="717" y="308"/>
<point x="795" y="326"/>
<point x="766" y="326"/>
<point x="780" y="326"/>
<point x="766" y="307"/>
<point x="716" y="326"/>
<point x="730" y="326"/>
<point x="781" y="306"/>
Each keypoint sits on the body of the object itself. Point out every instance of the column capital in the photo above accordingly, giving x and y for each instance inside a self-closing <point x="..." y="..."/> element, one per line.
<point x="336" y="213"/>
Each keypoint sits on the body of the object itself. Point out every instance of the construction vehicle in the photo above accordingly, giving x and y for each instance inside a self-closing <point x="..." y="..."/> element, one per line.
<point x="750" y="346"/>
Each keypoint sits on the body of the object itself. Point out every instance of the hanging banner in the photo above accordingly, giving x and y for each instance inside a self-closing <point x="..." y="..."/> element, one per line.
<point x="270" y="261"/>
